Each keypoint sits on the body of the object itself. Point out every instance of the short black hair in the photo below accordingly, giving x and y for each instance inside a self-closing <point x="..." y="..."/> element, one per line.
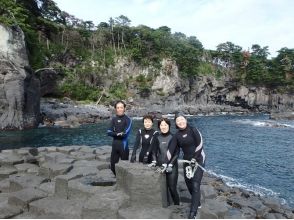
<point x="120" y="101"/>
<point x="166" y="120"/>
<point x="148" y="117"/>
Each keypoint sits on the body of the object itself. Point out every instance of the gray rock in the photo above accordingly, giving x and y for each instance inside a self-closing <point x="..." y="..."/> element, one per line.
<point x="7" y="211"/>
<point x="103" y="157"/>
<point x="213" y="208"/>
<point x="23" y="197"/>
<point x="233" y="213"/>
<point x="142" y="184"/>
<point x="50" y="170"/>
<point x="4" y="198"/>
<point x="57" y="207"/>
<point x="4" y="185"/>
<point x="248" y="213"/>
<point x="142" y="212"/>
<point x="103" y="178"/>
<point x="68" y="149"/>
<point x="87" y="149"/>
<point x="27" y="150"/>
<point x="105" y="205"/>
<point x="78" y="189"/>
<point x="55" y="157"/>
<point x="9" y="159"/>
<point x="21" y="181"/>
<point x="27" y="167"/>
<point x="19" y="88"/>
<point x="6" y="171"/>
<point x="48" y="187"/>
<point x="208" y="191"/>
<point x="83" y="156"/>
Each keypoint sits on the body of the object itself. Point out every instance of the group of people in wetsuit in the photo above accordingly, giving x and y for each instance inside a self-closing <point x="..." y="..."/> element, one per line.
<point x="161" y="149"/>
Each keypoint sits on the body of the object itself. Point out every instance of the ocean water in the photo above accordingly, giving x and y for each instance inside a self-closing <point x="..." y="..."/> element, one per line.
<point x="250" y="152"/>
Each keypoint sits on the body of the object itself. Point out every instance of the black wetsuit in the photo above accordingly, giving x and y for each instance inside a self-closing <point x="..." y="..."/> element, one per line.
<point x="159" y="148"/>
<point x="191" y="143"/>
<point x="143" y="139"/>
<point x="120" y="147"/>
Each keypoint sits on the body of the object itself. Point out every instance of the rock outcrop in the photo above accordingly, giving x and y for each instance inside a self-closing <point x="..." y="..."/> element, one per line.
<point x="76" y="182"/>
<point x="19" y="88"/>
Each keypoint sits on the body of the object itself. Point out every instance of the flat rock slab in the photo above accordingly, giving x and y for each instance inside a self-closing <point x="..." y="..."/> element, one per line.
<point x="87" y="149"/>
<point x="23" y="197"/>
<point x="144" y="213"/>
<point x="105" y="205"/>
<point x="50" y="170"/>
<point x="57" y="207"/>
<point x="103" y="178"/>
<point x="27" y="167"/>
<point x="4" y="185"/>
<point x="27" y="150"/>
<point x="21" y="181"/>
<point x="6" y="171"/>
<point x="68" y="149"/>
<point x="213" y="208"/>
<point x="55" y="157"/>
<point x="83" y="171"/>
<point x="78" y="189"/>
<point x="7" y="211"/>
<point x="47" y="187"/>
<point x="10" y="159"/>
<point x="208" y="192"/>
<point x="82" y="156"/>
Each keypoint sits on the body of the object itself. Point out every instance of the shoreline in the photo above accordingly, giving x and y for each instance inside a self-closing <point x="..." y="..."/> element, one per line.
<point x="59" y="174"/>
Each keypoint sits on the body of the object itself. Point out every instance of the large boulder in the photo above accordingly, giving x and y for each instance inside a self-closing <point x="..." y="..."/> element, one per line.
<point x="141" y="183"/>
<point x="19" y="88"/>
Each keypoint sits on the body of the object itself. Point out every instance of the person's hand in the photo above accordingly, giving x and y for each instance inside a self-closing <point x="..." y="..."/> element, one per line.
<point x="133" y="159"/>
<point x="153" y="164"/>
<point x="119" y="134"/>
<point x="162" y="169"/>
<point x="193" y="162"/>
<point x="169" y="168"/>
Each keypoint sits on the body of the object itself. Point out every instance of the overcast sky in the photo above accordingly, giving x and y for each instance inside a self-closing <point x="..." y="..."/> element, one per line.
<point x="242" y="22"/>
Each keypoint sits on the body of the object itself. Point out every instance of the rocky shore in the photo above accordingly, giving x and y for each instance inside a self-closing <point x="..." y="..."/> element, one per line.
<point x="76" y="182"/>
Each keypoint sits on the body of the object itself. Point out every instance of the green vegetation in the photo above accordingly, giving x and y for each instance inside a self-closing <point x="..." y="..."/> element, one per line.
<point x="84" y="51"/>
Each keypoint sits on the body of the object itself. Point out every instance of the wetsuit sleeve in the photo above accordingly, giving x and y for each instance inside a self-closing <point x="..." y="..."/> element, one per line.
<point x="199" y="142"/>
<point x="110" y="131"/>
<point x="128" y="128"/>
<point x="154" y="148"/>
<point x="137" y="143"/>
<point x="172" y="149"/>
<point x="175" y="156"/>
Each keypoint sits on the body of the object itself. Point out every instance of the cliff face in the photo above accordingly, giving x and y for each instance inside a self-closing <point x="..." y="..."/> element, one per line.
<point x="19" y="88"/>
<point x="201" y="93"/>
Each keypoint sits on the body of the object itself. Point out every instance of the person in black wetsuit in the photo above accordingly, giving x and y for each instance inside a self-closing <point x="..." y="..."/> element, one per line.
<point x="119" y="129"/>
<point x="159" y="148"/>
<point x="144" y="139"/>
<point x="189" y="139"/>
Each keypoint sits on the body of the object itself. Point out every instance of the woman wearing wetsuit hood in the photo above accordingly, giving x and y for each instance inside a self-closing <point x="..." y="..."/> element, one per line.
<point x="159" y="148"/>
<point x="189" y="139"/>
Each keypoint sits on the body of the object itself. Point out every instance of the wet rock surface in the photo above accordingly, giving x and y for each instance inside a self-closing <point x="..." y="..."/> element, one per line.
<point x="76" y="182"/>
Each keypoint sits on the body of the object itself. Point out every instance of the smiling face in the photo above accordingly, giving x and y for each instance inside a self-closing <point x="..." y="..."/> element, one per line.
<point x="119" y="109"/>
<point x="164" y="127"/>
<point x="148" y="123"/>
<point x="181" y="122"/>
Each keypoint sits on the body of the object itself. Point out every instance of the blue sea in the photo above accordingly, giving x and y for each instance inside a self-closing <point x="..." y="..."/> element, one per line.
<point x="250" y="152"/>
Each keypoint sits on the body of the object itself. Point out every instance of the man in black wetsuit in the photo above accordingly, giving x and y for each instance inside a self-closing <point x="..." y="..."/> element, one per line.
<point x="189" y="139"/>
<point x="144" y="139"/>
<point x="119" y="129"/>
